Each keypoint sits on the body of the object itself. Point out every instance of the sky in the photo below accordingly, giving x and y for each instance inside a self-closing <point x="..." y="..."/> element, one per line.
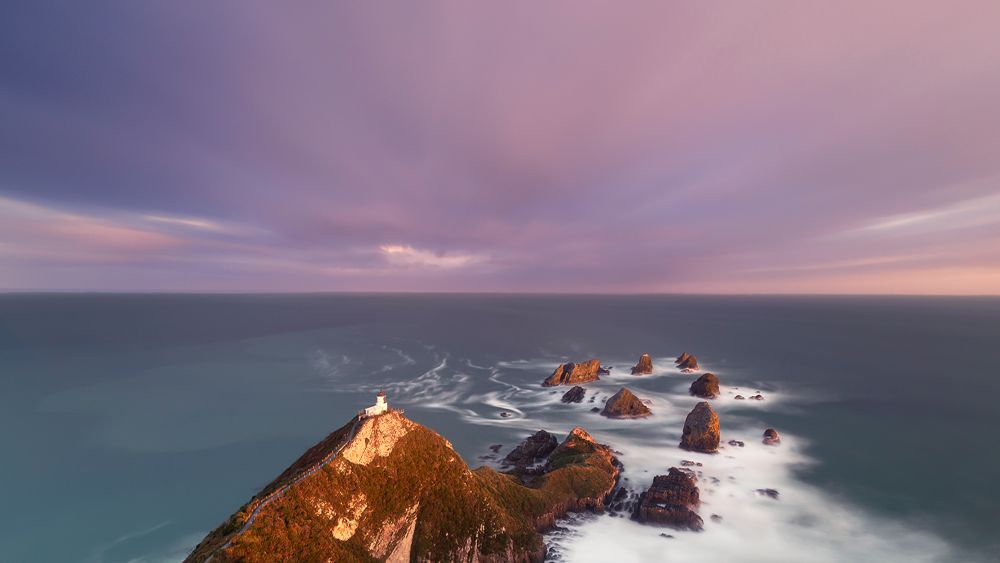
<point x="694" y="147"/>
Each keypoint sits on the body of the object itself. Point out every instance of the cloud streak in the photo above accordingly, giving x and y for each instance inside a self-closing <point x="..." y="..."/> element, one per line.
<point x="557" y="147"/>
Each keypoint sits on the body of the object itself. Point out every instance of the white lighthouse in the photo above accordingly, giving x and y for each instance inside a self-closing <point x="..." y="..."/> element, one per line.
<point x="379" y="407"/>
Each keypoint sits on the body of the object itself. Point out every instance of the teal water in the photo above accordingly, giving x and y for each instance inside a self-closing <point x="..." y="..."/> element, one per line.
<point x="133" y="424"/>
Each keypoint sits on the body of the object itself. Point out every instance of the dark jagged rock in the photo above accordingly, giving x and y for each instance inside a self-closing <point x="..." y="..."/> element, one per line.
<point x="701" y="429"/>
<point x="757" y="397"/>
<point x="644" y="367"/>
<point x="706" y="386"/>
<point x="495" y="448"/>
<point x="771" y="437"/>
<point x="739" y="397"/>
<point x="574" y="395"/>
<point x="595" y="409"/>
<point x="604" y="370"/>
<point x="670" y="501"/>
<point x="534" y="448"/>
<point x="770" y="493"/>
<point x="687" y="363"/>
<point x="571" y="374"/>
<point x="624" y="404"/>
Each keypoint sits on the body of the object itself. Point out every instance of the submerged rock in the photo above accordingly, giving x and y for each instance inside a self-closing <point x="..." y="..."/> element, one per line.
<point x="624" y="404"/>
<point x="736" y="443"/>
<point x="534" y="448"/>
<point x="686" y="362"/>
<point x="739" y="397"/>
<point x="574" y="395"/>
<point x="670" y="501"/>
<point x="771" y="437"/>
<point x="770" y="493"/>
<point x="706" y="386"/>
<point x="701" y="429"/>
<point x="757" y="397"/>
<point x="571" y="374"/>
<point x="644" y="367"/>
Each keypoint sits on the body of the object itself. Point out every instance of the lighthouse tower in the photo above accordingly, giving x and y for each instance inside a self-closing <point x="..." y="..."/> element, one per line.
<point x="379" y="407"/>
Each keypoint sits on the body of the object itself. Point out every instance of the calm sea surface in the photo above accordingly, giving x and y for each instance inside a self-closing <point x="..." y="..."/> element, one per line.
<point x="133" y="424"/>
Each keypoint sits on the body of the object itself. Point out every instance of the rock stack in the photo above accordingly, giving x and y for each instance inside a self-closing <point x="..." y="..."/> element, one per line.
<point x="624" y="404"/>
<point x="701" y="429"/>
<point x="687" y="363"/>
<point x="571" y="374"/>
<point x="670" y="501"/>
<point x="574" y="395"/>
<point x="706" y="386"/>
<point x="644" y="367"/>
<point x="771" y="437"/>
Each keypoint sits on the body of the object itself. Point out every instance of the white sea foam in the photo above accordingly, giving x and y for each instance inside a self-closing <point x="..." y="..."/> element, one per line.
<point x="804" y="524"/>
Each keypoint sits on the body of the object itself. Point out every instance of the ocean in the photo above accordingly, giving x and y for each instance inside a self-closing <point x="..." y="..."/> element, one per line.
<point x="133" y="424"/>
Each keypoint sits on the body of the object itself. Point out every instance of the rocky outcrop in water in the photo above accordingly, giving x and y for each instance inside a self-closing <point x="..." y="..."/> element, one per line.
<point x="687" y="363"/>
<point x="771" y="437"/>
<point x="644" y="367"/>
<point x="533" y="449"/>
<point x="706" y="386"/>
<point x="574" y="395"/>
<point x="571" y="374"/>
<point x="671" y="501"/>
<point x="701" y="429"/>
<point x="624" y="404"/>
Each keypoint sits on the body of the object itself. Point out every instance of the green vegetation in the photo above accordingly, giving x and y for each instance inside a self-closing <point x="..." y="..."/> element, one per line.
<point x="458" y="512"/>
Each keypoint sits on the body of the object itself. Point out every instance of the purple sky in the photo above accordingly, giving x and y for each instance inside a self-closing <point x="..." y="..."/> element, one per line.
<point x="741" y="147"/>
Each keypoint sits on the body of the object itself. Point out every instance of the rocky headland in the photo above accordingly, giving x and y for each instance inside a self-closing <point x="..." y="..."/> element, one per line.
<point x="385" y="488"/>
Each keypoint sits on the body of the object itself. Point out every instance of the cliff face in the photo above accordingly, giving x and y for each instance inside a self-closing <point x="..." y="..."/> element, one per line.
<point x="571" y="374"/>
<point x="388" y="489"/>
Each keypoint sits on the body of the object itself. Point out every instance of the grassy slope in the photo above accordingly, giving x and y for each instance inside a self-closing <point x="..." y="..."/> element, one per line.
<point x="500" y="514"/>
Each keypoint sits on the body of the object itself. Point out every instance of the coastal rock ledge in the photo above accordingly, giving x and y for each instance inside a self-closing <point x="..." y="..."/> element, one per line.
<point x="571" y="374"/>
